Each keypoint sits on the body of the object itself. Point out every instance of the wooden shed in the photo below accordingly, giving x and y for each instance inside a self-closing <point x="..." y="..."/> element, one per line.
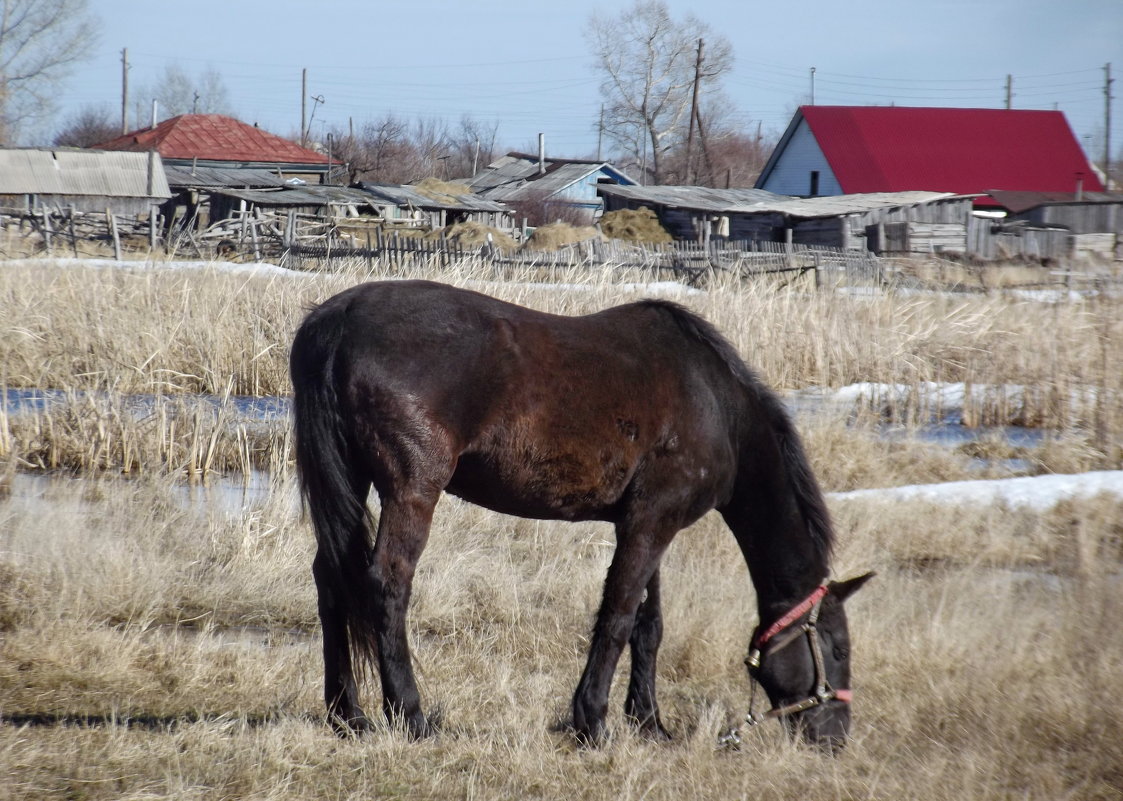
<point x="850" y="222"/>
<point x="81" y="180"/>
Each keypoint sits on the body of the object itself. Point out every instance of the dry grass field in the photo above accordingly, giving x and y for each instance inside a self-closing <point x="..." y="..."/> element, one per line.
<point x="158" y="632"/>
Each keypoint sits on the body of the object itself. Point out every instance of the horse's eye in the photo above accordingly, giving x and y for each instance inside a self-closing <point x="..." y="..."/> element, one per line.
<point x="841" y="653"/>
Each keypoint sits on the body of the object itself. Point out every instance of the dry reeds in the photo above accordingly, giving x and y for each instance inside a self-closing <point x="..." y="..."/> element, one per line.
<point x="159" y="638"/>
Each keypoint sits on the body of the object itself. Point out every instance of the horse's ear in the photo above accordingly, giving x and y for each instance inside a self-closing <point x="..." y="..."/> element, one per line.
<point x="844" y="589"/>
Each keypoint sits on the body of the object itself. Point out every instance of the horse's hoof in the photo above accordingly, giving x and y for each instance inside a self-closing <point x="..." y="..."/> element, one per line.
<point x="351" y="726"/>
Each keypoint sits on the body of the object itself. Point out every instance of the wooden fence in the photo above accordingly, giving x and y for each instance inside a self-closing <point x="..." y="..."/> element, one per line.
<point x="684" y="261"/>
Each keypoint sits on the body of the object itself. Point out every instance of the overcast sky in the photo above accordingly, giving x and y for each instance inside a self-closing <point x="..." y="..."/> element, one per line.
<point x="525" y="64"/>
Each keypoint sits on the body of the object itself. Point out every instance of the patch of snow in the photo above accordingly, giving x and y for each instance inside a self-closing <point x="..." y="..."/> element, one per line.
<point x="1036" y="492"/>
<point x="260" y="268"/>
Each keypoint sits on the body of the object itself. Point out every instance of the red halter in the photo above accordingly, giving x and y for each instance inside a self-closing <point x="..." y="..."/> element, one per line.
<point x="791" y="616"/>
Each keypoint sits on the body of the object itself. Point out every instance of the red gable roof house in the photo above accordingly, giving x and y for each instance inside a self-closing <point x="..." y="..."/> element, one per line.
<point x="835" y="150"/>
<point x="214" y="140"/>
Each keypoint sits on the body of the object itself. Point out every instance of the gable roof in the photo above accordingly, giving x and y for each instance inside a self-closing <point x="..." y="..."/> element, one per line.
<point x="960" y="150"/>
<point x="516" y="176"/>
<point x="34" y="171"/>
<point x="214" y="137"/>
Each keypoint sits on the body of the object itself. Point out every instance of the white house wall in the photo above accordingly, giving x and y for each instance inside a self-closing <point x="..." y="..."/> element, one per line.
<point x="792" y="173"/>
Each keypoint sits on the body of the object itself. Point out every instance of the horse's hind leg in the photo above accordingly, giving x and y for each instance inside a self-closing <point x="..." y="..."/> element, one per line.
<point x="403" y="529"/>
<point x="341" y="692"/>
<point x="647" y="632"/>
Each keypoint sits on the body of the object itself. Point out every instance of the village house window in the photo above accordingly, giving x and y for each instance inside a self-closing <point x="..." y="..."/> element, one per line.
<point x="814" y="183"/>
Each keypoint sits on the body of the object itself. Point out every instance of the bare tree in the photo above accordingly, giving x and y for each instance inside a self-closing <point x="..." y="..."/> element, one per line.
<point x="729" y="152"/>
<point x="177" y="92"/>
<point x="472" y="147"/>
<point x="40" y="43"/>
<point x="649" y="64"/>
<point x="91" y="125"/>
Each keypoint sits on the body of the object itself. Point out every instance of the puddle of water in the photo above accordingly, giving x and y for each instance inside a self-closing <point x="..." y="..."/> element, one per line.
<point x="262" y="409"/>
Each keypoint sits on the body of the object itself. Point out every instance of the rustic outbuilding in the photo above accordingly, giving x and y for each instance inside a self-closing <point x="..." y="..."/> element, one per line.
<point x="435" y="207"/>
<point x="937" y="221"/>
<point x="1094" y="219"/>
<point x="836" y="150"/>
<point x="81" y="180"/>
<point x="556" y="184"/>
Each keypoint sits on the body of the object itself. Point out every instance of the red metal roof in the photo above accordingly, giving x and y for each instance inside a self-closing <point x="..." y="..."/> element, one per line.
<point x="214" y="137"/>
<point x="961" y="150"/>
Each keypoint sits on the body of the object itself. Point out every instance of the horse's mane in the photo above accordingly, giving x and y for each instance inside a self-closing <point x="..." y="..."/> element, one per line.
<point x="809" y="496"/>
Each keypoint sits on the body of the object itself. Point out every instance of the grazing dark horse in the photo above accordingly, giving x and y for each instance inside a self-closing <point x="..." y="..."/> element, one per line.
<point x="641" y="415"/>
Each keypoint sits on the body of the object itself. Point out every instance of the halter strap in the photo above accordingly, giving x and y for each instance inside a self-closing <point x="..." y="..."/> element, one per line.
<point x="791" y="616"/>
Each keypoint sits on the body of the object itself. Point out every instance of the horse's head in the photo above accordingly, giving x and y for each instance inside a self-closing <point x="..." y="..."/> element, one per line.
<point x="802" y="661"/>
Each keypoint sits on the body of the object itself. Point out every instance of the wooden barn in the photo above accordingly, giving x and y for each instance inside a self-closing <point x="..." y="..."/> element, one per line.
<point x="1094" y="219"/>
<point x="837" y="150"/>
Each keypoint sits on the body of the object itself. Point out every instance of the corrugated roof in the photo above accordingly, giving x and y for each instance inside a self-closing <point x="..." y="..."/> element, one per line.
<point x="759" y="201"/>
<point x="406" y="196"/>
<point x="209" y="177"/>
<point x="960" y="150"/>
<point x="300" y="196"/>
<point x="698" y="198"/>
<point x="215" y="137"/>
<point x="81" y="172"/>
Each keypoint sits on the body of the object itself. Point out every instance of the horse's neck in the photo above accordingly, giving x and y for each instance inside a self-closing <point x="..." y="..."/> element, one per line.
<point x="784" y="562"/>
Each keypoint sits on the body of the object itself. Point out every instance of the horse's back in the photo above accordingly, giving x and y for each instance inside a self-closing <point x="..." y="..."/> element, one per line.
<point x="526" y="412"/>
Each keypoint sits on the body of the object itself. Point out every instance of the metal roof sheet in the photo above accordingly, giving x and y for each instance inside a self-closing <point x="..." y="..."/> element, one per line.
<point x="215" y="137"/>
<point x="960" y="150"/>
<point x="699" y="198"/>
<point x="208" y="177"/>
<point x="81" y="172"/>
<point x="759" y="201"/>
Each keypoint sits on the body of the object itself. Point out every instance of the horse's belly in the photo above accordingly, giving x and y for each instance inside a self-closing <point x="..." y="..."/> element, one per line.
<point x="544" y="486"/>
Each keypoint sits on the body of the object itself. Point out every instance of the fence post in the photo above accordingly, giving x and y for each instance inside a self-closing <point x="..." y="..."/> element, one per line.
<point x="47" y="231"/>
<point x="111" y="223"/>
<point x="73" y="236"/>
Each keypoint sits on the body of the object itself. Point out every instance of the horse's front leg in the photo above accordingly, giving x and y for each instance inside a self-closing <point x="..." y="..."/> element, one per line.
<point x="633" y="564"/>
<point x="403" y="529"/>
<point x="647" y="633"/>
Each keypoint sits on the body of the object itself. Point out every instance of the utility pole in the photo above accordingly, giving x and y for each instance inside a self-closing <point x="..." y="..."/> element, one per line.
<point x="125" y="90"/>
<point x="1107" y="125"/>
<point x="693" y="112"/>
<point x="600" y="131"/>
<point x="1009" y="91"/>
<point x="303" y="107"/>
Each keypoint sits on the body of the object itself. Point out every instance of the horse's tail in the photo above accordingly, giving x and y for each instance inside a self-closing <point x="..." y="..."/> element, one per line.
<point x="334" y="495"/>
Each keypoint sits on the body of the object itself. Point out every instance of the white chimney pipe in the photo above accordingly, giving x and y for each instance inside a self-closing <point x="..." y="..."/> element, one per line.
<point x="153" y="113"/>
<point x="541" y="154"/>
